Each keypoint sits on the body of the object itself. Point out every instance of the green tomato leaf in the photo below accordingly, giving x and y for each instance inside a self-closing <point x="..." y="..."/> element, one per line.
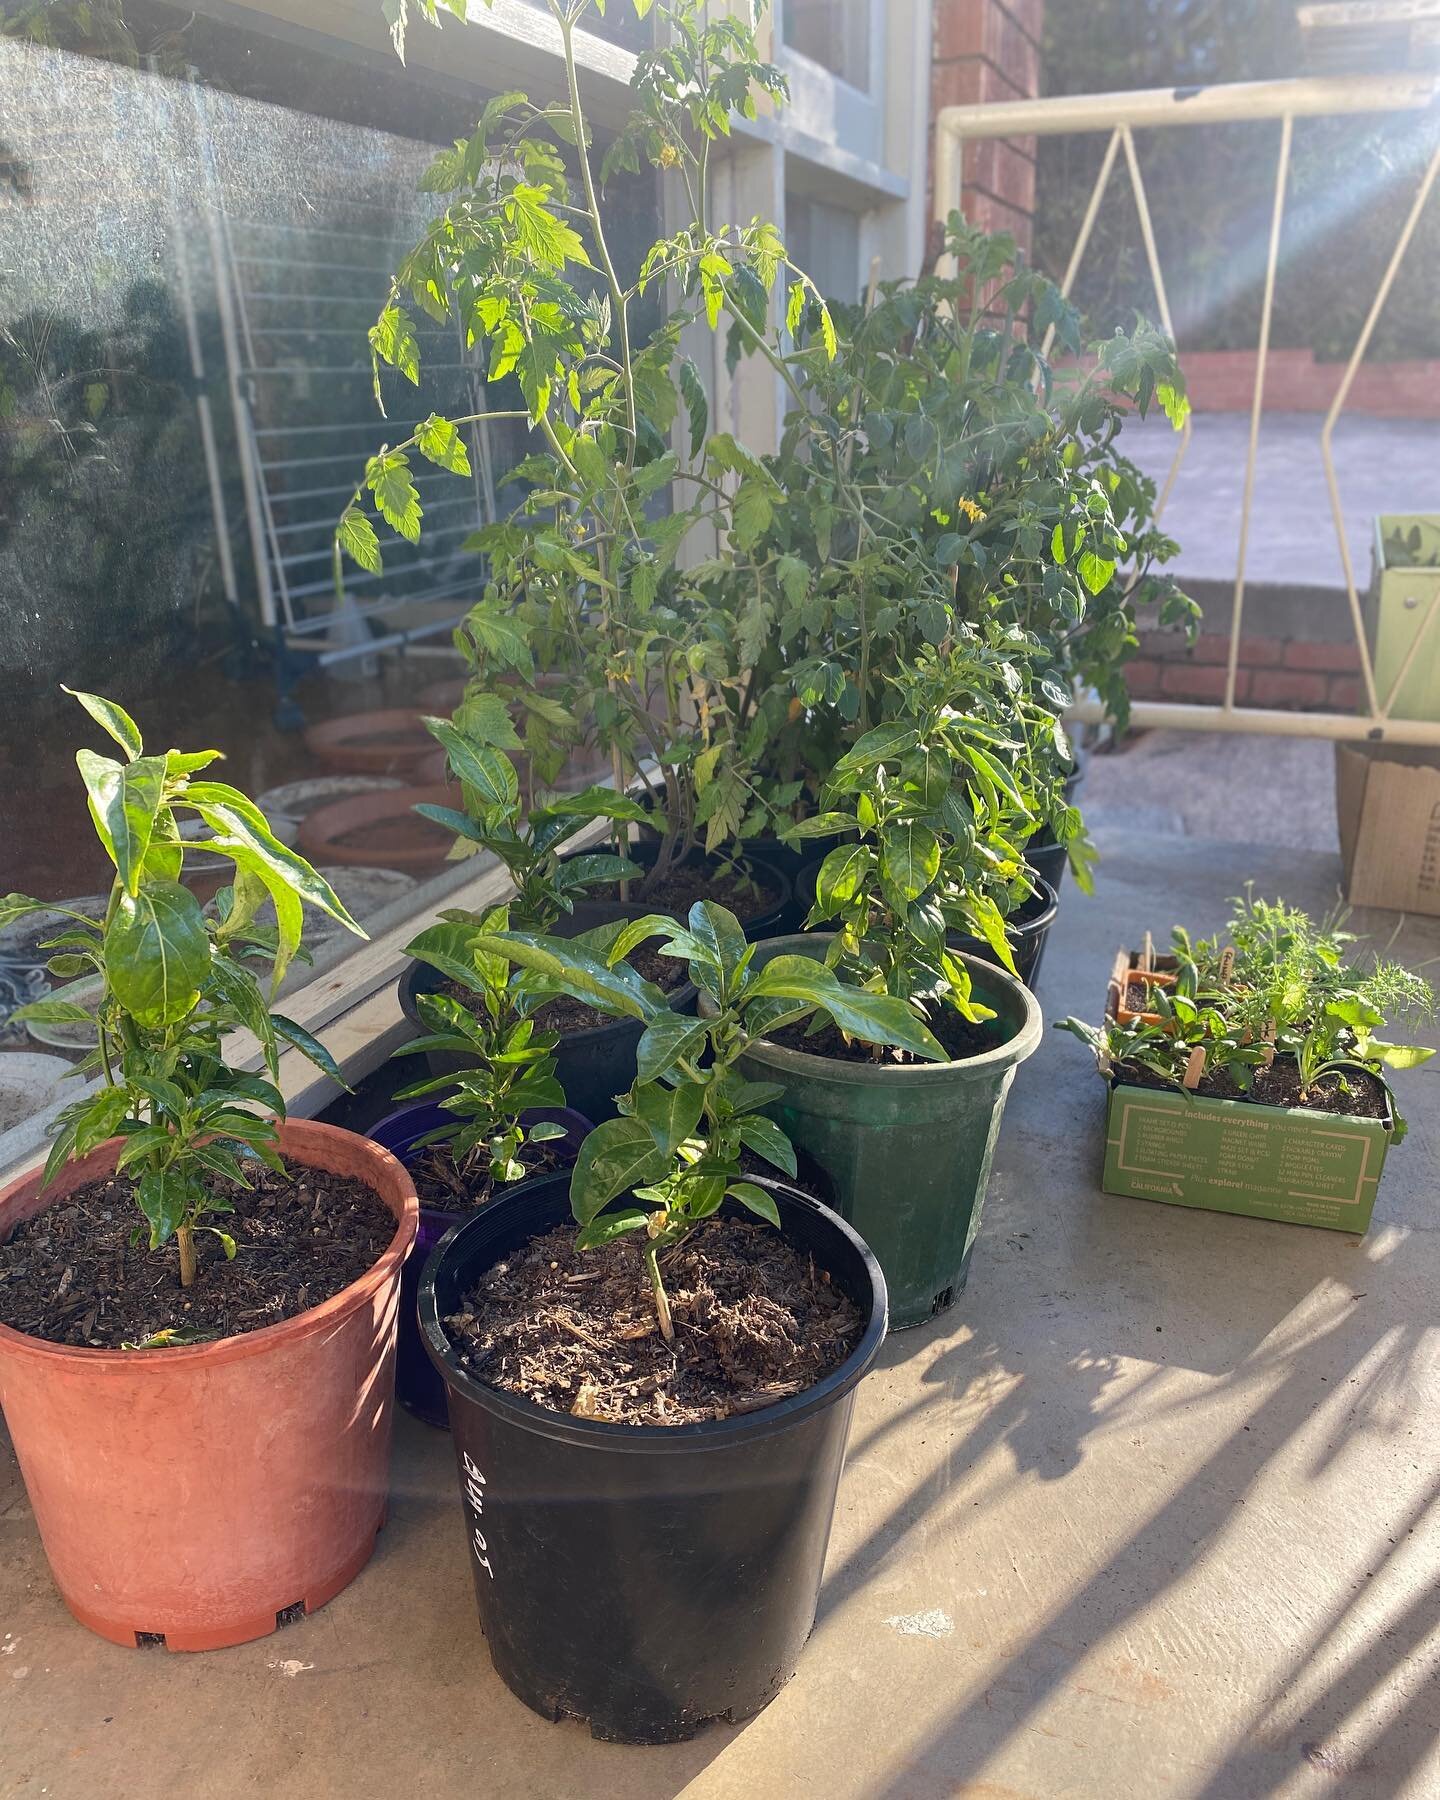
<point x="442" y="443"/>
<point x="356" y="537"/>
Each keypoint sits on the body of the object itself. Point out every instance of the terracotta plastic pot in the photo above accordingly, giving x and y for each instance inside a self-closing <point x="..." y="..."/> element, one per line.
<point x="388" y="742"/>
<point x="380" y="830"/>
<point x="192" y="1495"/>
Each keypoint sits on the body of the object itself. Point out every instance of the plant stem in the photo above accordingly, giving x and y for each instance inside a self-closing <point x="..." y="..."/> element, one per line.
<point x="662" y="1301"/>
<point x="185" y="1240"/>
<point x="597" y="225"/>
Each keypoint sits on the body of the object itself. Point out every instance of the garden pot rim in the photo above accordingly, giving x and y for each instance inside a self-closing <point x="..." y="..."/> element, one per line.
<point x="295" y="1134"/>
<point x="679" y="998"/>
<point x="1015" y="1049"/>
<point x="711" y="1434"/>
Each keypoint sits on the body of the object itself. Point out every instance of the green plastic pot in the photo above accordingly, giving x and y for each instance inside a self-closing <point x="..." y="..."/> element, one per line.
<point x="907" y="1147"/>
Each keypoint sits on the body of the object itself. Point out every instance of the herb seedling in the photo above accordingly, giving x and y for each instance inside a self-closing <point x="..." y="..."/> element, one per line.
<point x="511" y="1065"/>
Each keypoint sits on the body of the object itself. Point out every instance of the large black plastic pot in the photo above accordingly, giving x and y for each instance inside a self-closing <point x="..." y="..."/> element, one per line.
<point x="764" y="923"/>
<point x="644" y="1579"/>
<point x="593" y="1065"/>
<point x="418" y="1387"/>
<point x="1029" y="931"/>
<point x="907" y="1146"/>
<point x="1047" y="858"/>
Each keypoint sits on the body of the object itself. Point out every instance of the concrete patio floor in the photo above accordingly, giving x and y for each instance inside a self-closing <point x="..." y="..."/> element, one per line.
<point x="1150" y="1512"/>
<point x="1381" y="466"/>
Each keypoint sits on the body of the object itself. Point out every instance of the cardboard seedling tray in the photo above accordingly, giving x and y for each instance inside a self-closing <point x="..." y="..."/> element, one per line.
<point x="1266" y="1162"/>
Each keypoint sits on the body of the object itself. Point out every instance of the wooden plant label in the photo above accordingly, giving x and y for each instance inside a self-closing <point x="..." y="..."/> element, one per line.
<point x="1195" y="1067"/>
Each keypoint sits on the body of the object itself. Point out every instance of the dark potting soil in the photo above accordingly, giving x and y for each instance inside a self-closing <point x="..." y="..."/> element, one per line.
<point x="81" y="1273"/>
<point x="747" y="895"/>
<point x="1355" y="1093"/>
<point x="575" y="1331"/>
<point x="958" y="1035"/>
<point x="442" y="1185"/>
<point x="566" y="1014"/>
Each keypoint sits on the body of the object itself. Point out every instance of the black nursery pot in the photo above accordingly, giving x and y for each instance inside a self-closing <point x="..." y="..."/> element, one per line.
<point x="769" y="921"/>
<point x="593" y="1066"/>
<point x="1029" y="930"/>
<point x="1047" y="858"/>
<point x="418" y="1387"/>
<point x="643" y="1579"/>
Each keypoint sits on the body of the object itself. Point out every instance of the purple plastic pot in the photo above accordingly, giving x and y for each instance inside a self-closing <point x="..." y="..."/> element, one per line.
<point x="417" y="1386"/>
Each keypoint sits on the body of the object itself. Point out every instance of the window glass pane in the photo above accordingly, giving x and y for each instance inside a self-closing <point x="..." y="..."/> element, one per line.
<point x="825" y="241"/>
<point x="833" y="33"/>
<point x="190" y="268"/>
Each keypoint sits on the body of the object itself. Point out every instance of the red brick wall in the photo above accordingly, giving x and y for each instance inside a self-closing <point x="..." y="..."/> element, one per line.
<point x="1272" y="672"/>
<point x="988" y="50"/>
<point x="1224" y="381"/>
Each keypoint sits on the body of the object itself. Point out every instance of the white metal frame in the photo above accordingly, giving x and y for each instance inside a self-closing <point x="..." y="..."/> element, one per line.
<point x="1122" y="115"/>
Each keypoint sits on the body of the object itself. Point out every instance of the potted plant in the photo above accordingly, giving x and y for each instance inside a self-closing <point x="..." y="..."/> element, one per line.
<point x="934" y="807"/>
<point x="594" y="1050"/>
<point x="197" y="1296"/>
<point x="496" y="1116"/>
<point x="586" y="585"/>
<point x="942" y="469"/>
<point x="650" y="1417"/>
<point x="1253" y="1082"/>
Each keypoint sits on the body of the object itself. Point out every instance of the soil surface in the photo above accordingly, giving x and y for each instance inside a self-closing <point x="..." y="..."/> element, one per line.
<point x="958" y="1035"/>
<point x="80" y="1272"/>
<point x="566" y="1014"/>
<point x="1356" y="1093"/>
<point x="746" y="895"/>
<point x="575" y="1331"/>
<point x="448" y="1189"/>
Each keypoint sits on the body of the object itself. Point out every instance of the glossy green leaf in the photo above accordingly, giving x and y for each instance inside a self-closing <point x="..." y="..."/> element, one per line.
<point x="671" y="1113"/>
<point x="111" y="718"/>
<point x="165" y="1197"/>
<point x="124" y="799"/>
<point x="157" y="953"/>
<point x="875" y="1018"/>
<point x="668" y="1039"/>
<point x="909" y="857"/>
<point x="609" y="1226"/>
<point x="614" y="1158"/>
<point x="757" y="1200"/>
<point x="766" y="1139"/>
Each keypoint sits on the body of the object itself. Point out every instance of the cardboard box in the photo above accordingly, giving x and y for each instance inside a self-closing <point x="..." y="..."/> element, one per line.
<point x="1266" y="1162"/>
<point x="1387" y="798"/>
<point x="1403" y="603"/>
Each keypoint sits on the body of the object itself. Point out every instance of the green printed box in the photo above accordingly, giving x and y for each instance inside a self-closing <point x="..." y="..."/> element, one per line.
<point x="1266" y="1162"/>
